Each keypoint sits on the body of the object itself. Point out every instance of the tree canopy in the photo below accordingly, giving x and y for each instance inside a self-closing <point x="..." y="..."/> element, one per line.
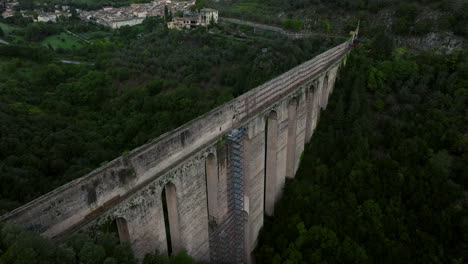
<point x="384" y="179"/>
<point x="18" y="246"/>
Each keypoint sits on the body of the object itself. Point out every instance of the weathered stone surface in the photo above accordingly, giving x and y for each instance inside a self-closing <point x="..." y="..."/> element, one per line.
<point x="443" y="42"/>
<point x="130" y="187"/>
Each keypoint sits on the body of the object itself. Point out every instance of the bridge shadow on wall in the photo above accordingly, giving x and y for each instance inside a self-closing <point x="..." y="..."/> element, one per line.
<point x="171" y="219"/>
<point x="271" y="135"/>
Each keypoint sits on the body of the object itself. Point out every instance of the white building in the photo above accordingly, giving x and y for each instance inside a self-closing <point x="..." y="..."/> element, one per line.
<point x="194" y="19"/>
<point x="125" y="22"/>
<point x="47" y="17"/>
<point x="50" y="17"/>
<point x="208" y="14"/>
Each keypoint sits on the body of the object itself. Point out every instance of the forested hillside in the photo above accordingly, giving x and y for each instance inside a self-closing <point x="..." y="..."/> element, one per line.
<point x="18" y="246"/>
<point x="385" y="177"/>
<point x="421" y="24"/>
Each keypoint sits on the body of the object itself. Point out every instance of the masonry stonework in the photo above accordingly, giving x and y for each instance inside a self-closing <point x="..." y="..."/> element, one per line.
<point x="223" y="174"/>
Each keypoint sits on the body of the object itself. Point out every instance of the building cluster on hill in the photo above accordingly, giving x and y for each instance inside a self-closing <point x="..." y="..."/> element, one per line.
<point x="37" y="15"/>
<point x="128" y="15"/>
<point x="60" y="11"/>
<point x="204" y="17"/>
<point x="135" y="13"/>
<point x="108" y="16"/>
<point x="9" y="8"/>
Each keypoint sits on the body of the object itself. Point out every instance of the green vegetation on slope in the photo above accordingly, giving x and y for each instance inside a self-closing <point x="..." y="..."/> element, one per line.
<point x="18" y="246"/>
<point x="382" y="181"/>
<point x="62" y="41"/>
<point x="383" y="178"/>
<point x="6" y="28"/>
<point x="63" y="37"/>
<point x="413" y="17"/>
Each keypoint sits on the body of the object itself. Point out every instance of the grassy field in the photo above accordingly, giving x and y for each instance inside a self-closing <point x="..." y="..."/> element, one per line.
<point x="95" y="35"/>
<point x="10" y="33"/>
<point x="64" y="41"/>
<point x="6" y="28"/>
<point x="246" y="6"/>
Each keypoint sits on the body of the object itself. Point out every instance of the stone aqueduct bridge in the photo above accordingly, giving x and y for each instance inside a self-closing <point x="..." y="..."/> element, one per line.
<point x="219" y="174"/>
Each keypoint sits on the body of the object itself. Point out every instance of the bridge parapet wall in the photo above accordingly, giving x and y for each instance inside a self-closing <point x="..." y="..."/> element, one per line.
<point x="250" y="102"/>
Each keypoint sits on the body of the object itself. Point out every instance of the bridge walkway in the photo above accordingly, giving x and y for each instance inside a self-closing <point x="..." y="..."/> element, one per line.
<point x="289" y="34"/>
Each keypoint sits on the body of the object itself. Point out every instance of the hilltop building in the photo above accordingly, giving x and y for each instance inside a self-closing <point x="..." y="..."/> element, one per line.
<point x="208" y="15"/>
<point x="189" y="20"/>
<point x="9" y="9"/>
<point x="118" y="17"/>
<point x="133" y="14"/>
<point x="123" y="22"/>
<point x="51" y="17"/>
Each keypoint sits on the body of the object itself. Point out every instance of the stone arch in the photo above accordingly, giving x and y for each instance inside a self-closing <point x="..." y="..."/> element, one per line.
<point x="309" y="112"/>
<point x="344" y="60"/>
<point x="171" y="219"/>
<point x="270" y="177"/>
<point x="334" y="75"/>
<point x="324" y="99"/>
<point x="291" y="140"/>
<point x="211" y="171"/>
<point x="122" y="230"/>
<point x="316" y="107"/>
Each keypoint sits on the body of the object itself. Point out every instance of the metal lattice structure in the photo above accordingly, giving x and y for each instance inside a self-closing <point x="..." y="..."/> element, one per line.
<point x="227" y="237"/>
<point x="236" y="192"/>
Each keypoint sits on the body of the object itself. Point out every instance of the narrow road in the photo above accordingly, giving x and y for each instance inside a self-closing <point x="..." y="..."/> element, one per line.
<point x="289" y="34"/>
<point x="76" y="62"/>
<point x="4" y="42"/>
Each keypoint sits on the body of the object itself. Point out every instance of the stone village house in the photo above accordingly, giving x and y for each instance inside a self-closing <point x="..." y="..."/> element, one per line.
<point x="194" y="19"/>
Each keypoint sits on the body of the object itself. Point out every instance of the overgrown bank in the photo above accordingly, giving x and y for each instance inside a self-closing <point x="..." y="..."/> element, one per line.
<point x="384" y="176"/>
<point x="18" y="246"/>
<point x="419" y="24"/>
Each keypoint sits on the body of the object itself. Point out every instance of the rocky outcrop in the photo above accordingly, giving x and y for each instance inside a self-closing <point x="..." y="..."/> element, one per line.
<point x="443" y="42"/>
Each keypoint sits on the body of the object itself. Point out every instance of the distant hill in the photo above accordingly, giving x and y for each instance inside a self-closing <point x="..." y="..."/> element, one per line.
<point x="420" y="24"/>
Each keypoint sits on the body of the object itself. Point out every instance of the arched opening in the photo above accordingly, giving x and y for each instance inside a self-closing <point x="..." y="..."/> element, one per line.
<point x="291" y="140"/>
<point x="270" y="181"/>
<point x="316" y="108"/>
<point x="118" y="226"/>
<point x="171" y="219"/>
<point x="324" y="100"/>
<point x="122" y="230"/>
<point x="309" y="113"/>
<point x="212" y="186"/>
<point x="335" y="75"/>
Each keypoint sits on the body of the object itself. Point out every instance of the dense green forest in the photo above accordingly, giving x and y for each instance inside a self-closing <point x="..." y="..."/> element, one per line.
<point x="383" y="178"/>
<point x="60" y="121"/>
<point x="18" y="246"/>
<point x="411" y="17"/>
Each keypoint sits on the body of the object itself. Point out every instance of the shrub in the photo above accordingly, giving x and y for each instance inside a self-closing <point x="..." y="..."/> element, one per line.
<point x="292" y="24"/>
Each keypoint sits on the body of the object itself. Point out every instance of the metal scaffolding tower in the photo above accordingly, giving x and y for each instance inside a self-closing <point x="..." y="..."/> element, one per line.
<point x="227" y="237"/>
